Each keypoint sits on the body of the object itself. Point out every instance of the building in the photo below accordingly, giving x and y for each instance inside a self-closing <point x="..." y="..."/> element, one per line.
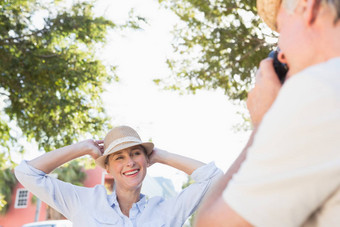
<point x="25" y="207"/>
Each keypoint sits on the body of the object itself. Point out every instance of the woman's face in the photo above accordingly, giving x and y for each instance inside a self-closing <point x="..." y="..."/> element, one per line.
<point x="128" y="167"/>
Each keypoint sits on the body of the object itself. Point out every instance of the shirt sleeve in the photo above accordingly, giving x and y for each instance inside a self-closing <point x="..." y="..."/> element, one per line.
<point x="179" y="208"/>
<point x="294" y="162"/>
<point x="60" y="195"/>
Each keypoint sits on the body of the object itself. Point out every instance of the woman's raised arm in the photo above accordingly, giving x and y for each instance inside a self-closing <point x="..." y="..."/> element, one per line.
<point x="53" y="159"/>
<point x="185" y="164"/>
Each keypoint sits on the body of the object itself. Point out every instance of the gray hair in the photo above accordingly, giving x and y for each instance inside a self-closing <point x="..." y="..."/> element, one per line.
<point x="290" y="5"/>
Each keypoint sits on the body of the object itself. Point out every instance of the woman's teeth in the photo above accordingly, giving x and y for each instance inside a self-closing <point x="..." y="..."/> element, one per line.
<point x="131" y="173"/>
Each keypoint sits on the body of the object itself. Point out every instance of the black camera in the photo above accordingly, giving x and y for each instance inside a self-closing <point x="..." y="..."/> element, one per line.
<point x="281" y="69"/>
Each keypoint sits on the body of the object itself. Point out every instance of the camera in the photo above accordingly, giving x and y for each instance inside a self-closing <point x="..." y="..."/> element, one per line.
<point x="281" y="69"/>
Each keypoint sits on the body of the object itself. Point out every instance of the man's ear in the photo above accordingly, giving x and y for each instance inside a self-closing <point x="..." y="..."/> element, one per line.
<point x="311" y="10"/>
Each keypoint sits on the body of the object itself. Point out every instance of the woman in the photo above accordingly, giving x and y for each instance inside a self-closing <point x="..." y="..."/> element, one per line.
<point x="126" y="158"/>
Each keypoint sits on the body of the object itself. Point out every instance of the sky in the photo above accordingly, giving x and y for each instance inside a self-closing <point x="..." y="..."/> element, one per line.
<point x="199" y="126"/>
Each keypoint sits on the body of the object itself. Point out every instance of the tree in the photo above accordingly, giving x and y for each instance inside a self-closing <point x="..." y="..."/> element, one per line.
<point x="71" y="172"/>
<point x="219" y="44"/>
<point x="7" y="183"/>
<point x="50" y="77"/>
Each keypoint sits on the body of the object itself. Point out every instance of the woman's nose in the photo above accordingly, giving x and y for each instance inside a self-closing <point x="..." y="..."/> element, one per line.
<point x="130" y="162"/>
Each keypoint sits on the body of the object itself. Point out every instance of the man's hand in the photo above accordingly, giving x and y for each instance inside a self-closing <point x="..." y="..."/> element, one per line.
<point x="263" y="95"/>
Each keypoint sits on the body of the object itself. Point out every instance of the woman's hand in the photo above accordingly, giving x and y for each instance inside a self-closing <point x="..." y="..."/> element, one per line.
<point x="95" y="148"/>
<point x="157" y="156"/>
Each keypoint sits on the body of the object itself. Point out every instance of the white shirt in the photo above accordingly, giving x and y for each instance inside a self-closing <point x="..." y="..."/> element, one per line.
<point x="91" y="207"/>
<point x="291" y="176"/>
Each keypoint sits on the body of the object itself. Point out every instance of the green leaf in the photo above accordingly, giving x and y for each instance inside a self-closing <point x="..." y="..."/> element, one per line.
<point x="219" y="46"/>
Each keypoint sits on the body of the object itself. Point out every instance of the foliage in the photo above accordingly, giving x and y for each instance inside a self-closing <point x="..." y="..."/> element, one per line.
<point x="3" y="202"/>
<point x="71" y="172"/>
<point x="218" y="43"/>
<point x="7" y="182"/>
<point x="50" y="77"/>
<point x="34" y="199"/>
<point x="188" y="182"/>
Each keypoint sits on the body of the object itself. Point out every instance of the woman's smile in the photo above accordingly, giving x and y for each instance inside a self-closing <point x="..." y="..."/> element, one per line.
<point x="131" y="173"/>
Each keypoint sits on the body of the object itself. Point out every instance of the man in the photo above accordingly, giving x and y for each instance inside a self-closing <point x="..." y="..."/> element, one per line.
<point x="289" y="173"/>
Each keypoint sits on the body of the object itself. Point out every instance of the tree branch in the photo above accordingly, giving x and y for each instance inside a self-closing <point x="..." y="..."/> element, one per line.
<point x="47" y="56"/>
<point x="253" y="51"/>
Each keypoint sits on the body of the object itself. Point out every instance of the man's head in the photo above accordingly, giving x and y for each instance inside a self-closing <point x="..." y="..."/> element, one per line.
<point x="309" y="30"/>
<point x="268" y="9"/>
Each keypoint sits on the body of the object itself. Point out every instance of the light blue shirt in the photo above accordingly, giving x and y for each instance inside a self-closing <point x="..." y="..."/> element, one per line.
<point x="91" y="207"/>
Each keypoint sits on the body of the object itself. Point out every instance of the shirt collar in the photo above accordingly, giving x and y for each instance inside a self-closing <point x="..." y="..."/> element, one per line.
<point x="141" y="203"/>
<point x="112" y="199"/>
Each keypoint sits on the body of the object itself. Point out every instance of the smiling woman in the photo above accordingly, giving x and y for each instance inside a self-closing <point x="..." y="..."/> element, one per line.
<point x="128" y="166"/>
<point x="126" y="157"/>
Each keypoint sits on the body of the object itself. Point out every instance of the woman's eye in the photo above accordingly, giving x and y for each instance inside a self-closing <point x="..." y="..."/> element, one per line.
<point x="137" y="153"/>
<point x="119" y="157"/>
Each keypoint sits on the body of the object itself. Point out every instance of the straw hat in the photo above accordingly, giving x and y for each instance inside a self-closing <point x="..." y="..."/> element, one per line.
<point x="120" y="138"/>
<point x="268" y="10"/>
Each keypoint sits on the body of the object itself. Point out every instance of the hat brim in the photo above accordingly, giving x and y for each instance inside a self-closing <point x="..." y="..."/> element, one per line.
<point x="147" y="145"/>
<point x="268" y="10"/>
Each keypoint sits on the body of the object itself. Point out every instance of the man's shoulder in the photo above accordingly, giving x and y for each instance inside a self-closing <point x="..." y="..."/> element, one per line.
<point x="317" y="82"/>
<point x="323" y="74"/>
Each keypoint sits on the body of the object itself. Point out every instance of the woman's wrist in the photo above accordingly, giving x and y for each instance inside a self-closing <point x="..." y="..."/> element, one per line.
<point x="163" y="157"/>
<point x="89" y="147"/>
<point x="80" y="148"/>
<point x="158" y="156"/>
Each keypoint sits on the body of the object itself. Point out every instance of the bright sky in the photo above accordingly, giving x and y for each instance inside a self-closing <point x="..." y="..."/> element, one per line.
<point x="198" y="126"/>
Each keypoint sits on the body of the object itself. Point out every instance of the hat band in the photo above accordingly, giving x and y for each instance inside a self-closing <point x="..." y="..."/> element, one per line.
<point x="121" y="140"/>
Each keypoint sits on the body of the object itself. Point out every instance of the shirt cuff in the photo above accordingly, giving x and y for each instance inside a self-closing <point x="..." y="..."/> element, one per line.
<point x="26" y="169"/>
<point x="206" y="172"/>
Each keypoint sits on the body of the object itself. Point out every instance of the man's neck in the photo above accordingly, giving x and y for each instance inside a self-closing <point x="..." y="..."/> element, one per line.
<point x="327" y="34"/>
<point x="324" y="44"/>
